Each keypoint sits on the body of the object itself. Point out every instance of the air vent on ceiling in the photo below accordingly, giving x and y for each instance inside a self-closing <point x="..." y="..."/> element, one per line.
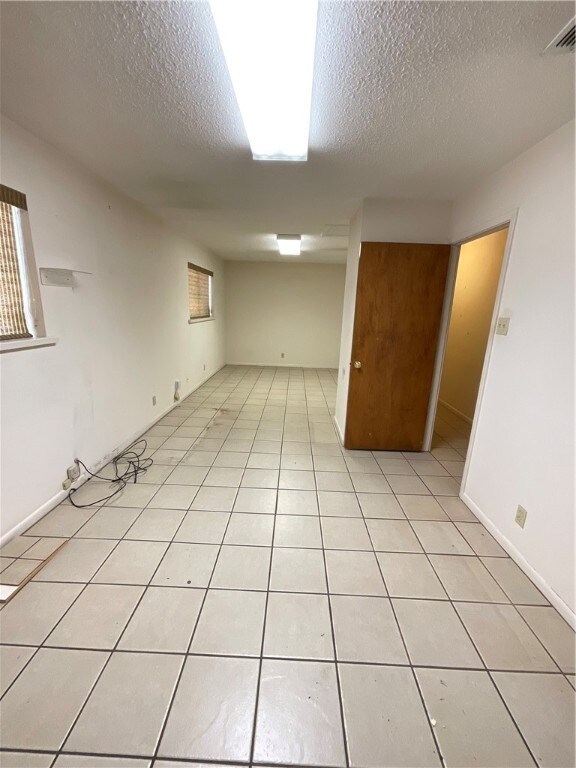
<point x="564" y="40"/>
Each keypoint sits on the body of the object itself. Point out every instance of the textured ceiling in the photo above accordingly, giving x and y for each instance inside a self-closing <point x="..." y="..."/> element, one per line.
<point x="410" y="99"/>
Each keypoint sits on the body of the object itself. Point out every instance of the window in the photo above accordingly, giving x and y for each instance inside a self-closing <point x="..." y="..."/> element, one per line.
<point x="21" y="321"/>
<point x="199" y="292"/>
<point x="13" y="322"/>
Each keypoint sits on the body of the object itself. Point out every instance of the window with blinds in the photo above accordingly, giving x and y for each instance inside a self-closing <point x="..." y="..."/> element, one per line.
<point x="13" y="323"/>
<point x="199" y="292"/>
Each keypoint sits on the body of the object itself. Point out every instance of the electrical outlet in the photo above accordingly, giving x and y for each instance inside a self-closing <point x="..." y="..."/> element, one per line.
<point x="73" y="472"/>
<point x="281" y="354"/>
<point x="153" y="399"/>
<point x="521" y="515"/>
<point x="204" y="366"/>
<point x="502" y="326"/>
<point x="66" y="484"/>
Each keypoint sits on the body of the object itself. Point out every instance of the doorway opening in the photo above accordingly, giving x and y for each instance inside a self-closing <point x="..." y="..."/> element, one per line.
<point x="478" y="276"/>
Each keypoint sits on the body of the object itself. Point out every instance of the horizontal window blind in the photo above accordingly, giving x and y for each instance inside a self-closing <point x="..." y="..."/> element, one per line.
<point x="12" y="317"/>
<point x="199" y="292"/>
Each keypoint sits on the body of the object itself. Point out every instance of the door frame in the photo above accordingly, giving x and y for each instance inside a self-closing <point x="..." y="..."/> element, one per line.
<point x="485" y="228"/>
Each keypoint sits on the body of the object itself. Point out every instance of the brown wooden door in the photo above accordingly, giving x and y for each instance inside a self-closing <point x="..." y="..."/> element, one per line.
<point x="399" y="300"/>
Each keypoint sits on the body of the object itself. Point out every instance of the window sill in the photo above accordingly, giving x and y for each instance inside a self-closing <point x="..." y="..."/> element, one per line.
<point x="200" y="320"/>
<point x="18" y="344"/>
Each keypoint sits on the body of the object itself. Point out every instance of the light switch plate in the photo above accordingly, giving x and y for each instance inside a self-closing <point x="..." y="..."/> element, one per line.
<point x="502" y="326"/>
<point x="521" y="515"/>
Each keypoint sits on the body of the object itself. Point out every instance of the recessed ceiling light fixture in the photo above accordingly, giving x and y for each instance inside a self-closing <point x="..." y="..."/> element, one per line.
<point x="269" y="49"/>
<point x="289" y="245"/>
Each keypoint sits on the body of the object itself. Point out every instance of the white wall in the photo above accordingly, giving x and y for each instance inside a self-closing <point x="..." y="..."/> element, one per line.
<point x="523" y="450"/>
<point x="477" y="280"/>
<point x="123" y="331"/>
<point x="384" y="220"/>
<point x="291" y="308"/>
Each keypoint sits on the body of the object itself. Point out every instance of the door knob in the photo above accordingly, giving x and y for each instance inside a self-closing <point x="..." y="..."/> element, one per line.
<point x="357" y="364"/>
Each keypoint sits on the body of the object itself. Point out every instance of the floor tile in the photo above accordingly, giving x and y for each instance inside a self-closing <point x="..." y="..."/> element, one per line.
<point x="214" y="499"/>
<point x="26" y="760"/>
<point x="338" y="504"/>
<point x="135" y="495"/>
<point x="329" y="463"/>
<point x="422" y="508"/>
<point x="434" y="635"/>
<point x="231" y="623"/>
<point x="263" y="461"/>
<point x="543" y="707"/>
<point x="97" y="618"/>
<point x="345" y="533"/>
<point x="94" y="761"/>
<point x="17" y="546"/>
<point x="13" y="659"/>
<point x="253" y="530"/>
<point x="38" y="710"/>
<point x="473" y="726"/>
<point x="61" y="521"/>
<point x="242" y="568"/>
<point x="174" y="497"/>
<point x="370" y="483"/>
<point x="334" y="481"/>
<point x="43" y="548"/>
<point x="441" y="538"/>
<point x="353" y="573"/>
<point x="410" y="575"/>
<point x="19" y="570"/>
<point x="480" y="540"/>
<point x="260" y="478"/>
<point x="226" y="477"/>
<point x="156" y="525"/>
<point x="126" y="709"/>
<point x="298" y="570"/>
<point x="297" y="462"/>
<point x="297" y="531"/>
<point x="109" y="523"/>
<point x="31" y="615"/>
<point x="380" y="505"/>
<point x="456" y="510"/>
<point x="395" y="466"/>
<point x="404" y="484"/>
<point x="131" y="562"/>
<point x="293" y="479"/>
<point x="186" y="565"/>
<point x="466" y="578"/>
<point x="256" y="501"/>
<point x="361" y="465"/>
<point x="292" y="502"/>
<point x="554" y="633"/>
<point x="298" y="717"/>
<point x="163" y="621"/>
<point x="442" y="486"/>
<point x="393" y="536"/>
<point x="514" y="581"/>
<point x="187" y="475"/>
<point x="503" y="638"/>
<point x="78" y="560"/>
<point x="231" y="459"/>
<point x="385" y="720"/>
<point x="167" y="456"/>
<point x="365" y="630"/>
<point x="198" y="458"/>
<point x="298" y="626"/>
<point x="200" y="527"/>
<point x="213" y="712"/>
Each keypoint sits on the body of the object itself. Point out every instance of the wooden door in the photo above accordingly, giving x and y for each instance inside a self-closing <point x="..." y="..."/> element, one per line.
<point x="399" y="300"/>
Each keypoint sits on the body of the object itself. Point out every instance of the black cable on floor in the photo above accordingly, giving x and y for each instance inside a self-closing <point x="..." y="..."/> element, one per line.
<point x="132" y="456"/>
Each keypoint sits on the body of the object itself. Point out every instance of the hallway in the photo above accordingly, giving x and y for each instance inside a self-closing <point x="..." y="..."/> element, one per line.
<point x="263" y="596"/>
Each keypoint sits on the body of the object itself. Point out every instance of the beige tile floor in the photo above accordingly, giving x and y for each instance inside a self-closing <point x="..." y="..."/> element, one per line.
<point x="263" y="596"/>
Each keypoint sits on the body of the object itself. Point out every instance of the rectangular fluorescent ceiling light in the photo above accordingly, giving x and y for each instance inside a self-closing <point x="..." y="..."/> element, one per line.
<point x="289" y="245"/>
<point x="269" y="49"/>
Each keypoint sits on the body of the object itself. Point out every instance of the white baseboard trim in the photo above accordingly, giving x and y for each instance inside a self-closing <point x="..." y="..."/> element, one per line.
<point x="288" y="365"/>
<point x="467" y="419"/>
<point x="49" y="505"/>
<point x="339" y="430"/>
<point x="563" y="609"/>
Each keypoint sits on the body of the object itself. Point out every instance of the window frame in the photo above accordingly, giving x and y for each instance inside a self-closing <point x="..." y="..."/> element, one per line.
<point x="31" y="296"/>
<point x="204" y="271"/>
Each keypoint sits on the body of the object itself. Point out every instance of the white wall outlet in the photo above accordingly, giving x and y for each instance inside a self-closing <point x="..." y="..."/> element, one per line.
<point x="153" y="399"/>
<point x="521" y="515"/>
<point x="66" y="484"/>
<point x="502" y="326"/>
<point x="73" y="472"/>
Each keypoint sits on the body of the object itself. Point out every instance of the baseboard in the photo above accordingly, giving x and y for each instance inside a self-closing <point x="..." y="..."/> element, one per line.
<point x="467" y="419"/>
<point x="287" y="365"/>
<point x="563" y="609"/>
<point x="339" y="430"/>
<point x="58" y="498"/>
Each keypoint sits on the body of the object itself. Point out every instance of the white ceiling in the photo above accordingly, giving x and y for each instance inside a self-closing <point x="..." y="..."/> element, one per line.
<point x="410" y="99"/>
